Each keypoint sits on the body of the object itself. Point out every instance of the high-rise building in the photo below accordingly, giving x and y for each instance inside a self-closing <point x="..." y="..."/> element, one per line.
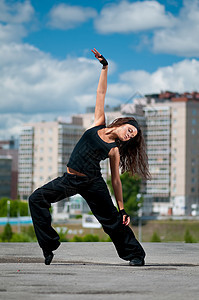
<point x="170" y="126"/>
<point x="172" y="138"/>
<point x="158" y="141"/>
<point x="44" y="150"/>
<point x="5" y="176"/>
<point x="9" y="148"/>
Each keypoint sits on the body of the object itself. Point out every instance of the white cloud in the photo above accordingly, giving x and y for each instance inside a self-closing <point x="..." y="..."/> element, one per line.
<point x="16" y="12"/>
<point x="179" y="77"/>
<point x="177" y="35"/>
<point x="12" y="19"/>
<point x="183" y="37"/>
<point x="34" y="86"/>
<point x="64" y="16"/>
<point x="128" y="17"/>
<point x="32" y="81"/>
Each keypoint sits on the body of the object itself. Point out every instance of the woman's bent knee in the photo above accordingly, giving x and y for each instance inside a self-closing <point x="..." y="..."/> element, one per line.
<point x="34" y="197"/>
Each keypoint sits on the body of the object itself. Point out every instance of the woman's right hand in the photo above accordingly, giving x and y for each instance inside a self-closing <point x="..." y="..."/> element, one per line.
<point x="101" y="59"/>
<point x="96" y="53"/>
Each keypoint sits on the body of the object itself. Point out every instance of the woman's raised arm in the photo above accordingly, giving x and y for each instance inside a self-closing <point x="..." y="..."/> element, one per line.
<point x="101" y="90"/>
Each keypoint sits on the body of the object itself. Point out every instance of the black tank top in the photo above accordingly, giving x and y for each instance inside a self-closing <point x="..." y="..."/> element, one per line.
<point x="89" y="151"/>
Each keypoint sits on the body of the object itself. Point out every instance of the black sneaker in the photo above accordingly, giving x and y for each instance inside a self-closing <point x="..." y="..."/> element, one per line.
<point x="48" y="257"/>
<point x="137" y="262"/>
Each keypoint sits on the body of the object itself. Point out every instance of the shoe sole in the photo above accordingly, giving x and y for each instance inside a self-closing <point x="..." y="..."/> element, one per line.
<point x="49" y="259"/>
<point x="137" y="263"/>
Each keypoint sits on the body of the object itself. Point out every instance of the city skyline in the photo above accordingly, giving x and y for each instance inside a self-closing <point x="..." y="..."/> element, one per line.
<point x="47" y="69"/>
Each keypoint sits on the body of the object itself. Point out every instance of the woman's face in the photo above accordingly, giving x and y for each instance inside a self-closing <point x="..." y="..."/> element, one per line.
<point x="126" y="132"/>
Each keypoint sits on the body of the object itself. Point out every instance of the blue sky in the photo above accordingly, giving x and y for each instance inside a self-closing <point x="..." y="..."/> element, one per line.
<point x="47" y="68"/>
<point x="127" y="49"/>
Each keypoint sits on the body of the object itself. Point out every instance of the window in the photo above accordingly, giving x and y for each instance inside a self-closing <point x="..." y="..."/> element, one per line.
<point x="193" y="161"/>
<point x="194" y="112"/>
<point x="193" y="131"/>
<point x="193" y="121"/>
<point x="193" y="170"/>
<point x="193" y="180"/>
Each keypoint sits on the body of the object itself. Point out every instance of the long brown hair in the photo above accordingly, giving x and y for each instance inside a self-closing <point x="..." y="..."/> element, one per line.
<point x="133" y="156"/>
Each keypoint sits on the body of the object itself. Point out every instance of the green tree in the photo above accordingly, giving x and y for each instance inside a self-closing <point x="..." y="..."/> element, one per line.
<point x="155" y="238"/>
<point x="130" y="188"/>
<point x="7" y="233"/>
<point x="15" y="207"/>
<point x="188" y="237"/>
<point x="3" y="207"/>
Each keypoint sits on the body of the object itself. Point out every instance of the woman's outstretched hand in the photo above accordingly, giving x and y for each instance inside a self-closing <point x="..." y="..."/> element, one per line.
<point x="101" y="59"/>
<point x="96" y="53"/>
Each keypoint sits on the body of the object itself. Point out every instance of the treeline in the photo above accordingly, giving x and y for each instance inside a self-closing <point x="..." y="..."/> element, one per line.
<point x="27" y="234"/>
<point x="14" y="208"/>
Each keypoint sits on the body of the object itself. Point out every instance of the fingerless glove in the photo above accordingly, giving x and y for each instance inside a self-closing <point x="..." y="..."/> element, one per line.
<point x="123" y="213"/>
<point x="103" y="61"/>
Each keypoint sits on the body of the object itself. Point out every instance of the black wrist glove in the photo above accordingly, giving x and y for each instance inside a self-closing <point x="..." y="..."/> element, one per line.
<point x="123" y="213"/>
<point x="103" y="61"/>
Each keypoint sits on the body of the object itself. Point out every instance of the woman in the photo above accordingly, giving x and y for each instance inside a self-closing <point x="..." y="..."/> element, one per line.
<point x="123" y="143"/>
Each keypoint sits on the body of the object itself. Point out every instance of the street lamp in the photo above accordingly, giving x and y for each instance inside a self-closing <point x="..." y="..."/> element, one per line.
<point x="138" y="198"/>
<point x="8" y="211"/>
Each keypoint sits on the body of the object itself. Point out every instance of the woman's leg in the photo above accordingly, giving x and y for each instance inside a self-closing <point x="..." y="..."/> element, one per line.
<point x="40" y="202"/>
<point x="100" y="203"/>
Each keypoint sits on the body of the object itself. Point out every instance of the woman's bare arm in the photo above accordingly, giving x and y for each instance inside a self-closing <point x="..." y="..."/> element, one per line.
<point x="114" y="157"/>
<point x="101" y="91"/>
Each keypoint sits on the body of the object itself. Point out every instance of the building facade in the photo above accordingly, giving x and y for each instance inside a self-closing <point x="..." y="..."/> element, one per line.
<point x="172" y="138"/>
<point x="5" y="176"/>
<point x="44" y="150"/>
<point x="9" y="148"/>
<point x="170" y="126"/>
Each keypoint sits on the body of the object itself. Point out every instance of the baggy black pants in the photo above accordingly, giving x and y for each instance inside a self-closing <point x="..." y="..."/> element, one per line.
<point x="96" y="193"/>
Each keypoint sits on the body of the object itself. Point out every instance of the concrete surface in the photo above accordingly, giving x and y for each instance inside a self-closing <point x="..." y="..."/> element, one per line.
<point x="93" y="271"/>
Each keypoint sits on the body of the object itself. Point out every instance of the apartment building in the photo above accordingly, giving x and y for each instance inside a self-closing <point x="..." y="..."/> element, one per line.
<point x="172" y="138"/>
<point x="9" y="148"/>
<point x="170" y="126"/>
<point x="5" y="176"/>
<point x="44" y="150"/>
<point x="158" y="133"/>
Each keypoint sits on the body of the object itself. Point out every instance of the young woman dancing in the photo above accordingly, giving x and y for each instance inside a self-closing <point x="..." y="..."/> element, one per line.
<point x="122" y="142"/>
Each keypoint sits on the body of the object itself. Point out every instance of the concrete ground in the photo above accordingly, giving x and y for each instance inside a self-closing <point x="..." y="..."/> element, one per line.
<point x="85" y="271"/>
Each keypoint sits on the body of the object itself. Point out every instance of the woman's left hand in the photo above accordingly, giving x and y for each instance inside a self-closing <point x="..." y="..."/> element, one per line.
<point x="125" y="217"/>
<point x="126" y="220"/>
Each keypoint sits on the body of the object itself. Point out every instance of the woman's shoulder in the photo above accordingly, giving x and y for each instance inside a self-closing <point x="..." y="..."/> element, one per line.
<point x="98" y="126"/>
